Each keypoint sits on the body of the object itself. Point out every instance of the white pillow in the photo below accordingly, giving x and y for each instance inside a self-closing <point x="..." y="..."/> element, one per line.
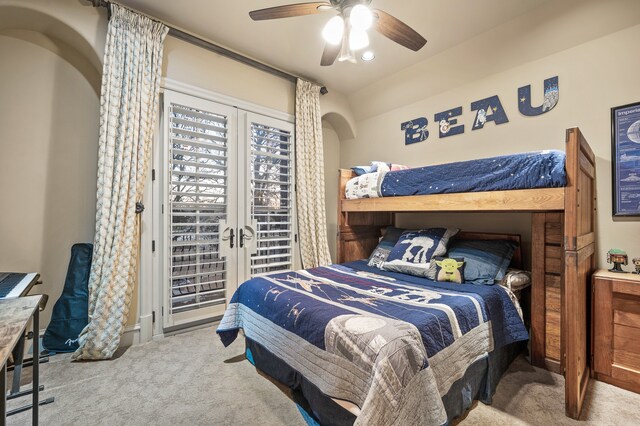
<point x="380" y="166"/>
<point x="516" y="280"/>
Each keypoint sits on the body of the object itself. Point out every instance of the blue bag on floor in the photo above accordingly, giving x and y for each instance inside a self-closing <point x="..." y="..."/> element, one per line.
<point x="71" y="312"/>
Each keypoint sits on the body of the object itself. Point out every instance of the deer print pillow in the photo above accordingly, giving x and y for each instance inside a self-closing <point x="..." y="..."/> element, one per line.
<point x="414" y="250"/>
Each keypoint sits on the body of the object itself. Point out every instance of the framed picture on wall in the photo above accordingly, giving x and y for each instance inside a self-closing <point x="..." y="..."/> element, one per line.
<point x="625" y="159"/>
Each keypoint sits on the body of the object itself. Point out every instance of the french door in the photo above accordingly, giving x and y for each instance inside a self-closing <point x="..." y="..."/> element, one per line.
<point x="269" y="195"/>
<point x="228" y="204"/>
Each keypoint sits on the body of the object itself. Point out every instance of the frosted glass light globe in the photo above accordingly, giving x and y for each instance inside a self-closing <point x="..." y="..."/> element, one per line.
<point x="333" y="30"/>
<point x="361" y="17"/>
<point x="358" y="39"/>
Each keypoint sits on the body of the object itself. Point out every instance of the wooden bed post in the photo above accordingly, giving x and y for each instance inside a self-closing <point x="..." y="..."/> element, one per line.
<point x="358" y="232"/>
<point x="547" y="267"/>
<point x="563" y="259"/>
<point x="579" y="264"/>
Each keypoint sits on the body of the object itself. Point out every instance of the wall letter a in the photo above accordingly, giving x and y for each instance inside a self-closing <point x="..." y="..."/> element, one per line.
<point x="489" y="109"/>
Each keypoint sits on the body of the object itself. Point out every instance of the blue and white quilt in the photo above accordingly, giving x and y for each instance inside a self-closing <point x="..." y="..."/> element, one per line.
<point x="540" y="169"/>
<point x="391" y="343"/>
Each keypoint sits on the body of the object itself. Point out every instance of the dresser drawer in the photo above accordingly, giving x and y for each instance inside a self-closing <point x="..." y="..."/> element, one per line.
<point x="616" y="329"/>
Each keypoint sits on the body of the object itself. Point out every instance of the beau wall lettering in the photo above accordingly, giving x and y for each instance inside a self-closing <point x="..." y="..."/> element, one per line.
<point x="487" y="110"/>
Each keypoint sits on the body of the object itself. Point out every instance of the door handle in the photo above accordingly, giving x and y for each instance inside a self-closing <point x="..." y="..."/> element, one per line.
<point x="248" y="237"/>
<point x="230" y="236"/>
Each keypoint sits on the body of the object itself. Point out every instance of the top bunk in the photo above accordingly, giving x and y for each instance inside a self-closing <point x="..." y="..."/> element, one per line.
<point x="579" y="167"/>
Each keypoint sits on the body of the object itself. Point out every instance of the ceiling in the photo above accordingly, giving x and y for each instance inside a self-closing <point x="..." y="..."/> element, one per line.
<point x="295" y="44"/>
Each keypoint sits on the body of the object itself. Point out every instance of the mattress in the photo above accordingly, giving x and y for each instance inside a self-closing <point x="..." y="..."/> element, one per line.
<point x="478" y="383"/>
<point x="384" y="341"/>
<point x="541" y="169"/>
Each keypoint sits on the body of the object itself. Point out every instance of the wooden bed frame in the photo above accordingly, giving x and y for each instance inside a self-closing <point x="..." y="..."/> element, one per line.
<point x="563" y="254"/>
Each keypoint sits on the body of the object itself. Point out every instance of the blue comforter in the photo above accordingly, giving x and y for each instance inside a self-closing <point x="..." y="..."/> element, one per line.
<point x="385" y="341"/>
<point x="542" y="169"/>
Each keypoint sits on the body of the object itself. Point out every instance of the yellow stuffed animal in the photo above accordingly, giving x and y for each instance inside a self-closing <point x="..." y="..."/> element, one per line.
<point x="449" y="270"/>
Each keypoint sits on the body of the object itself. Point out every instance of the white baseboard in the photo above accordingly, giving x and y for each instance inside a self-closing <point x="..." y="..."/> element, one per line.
<point x="130" y="336"/>
<point x="146" y="328"/>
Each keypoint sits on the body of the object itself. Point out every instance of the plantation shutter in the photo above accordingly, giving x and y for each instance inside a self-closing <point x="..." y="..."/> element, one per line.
<point x="198" y="204"/>
<point x="272" y="195"/>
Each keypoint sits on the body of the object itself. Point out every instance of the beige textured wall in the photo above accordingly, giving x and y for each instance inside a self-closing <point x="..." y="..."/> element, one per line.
<point x="598" y="71"/>
<point x="338" y="124"/>
<point x="337" y="112"/>
<point x="48" y="159"/>
<point x="331" y="166"/>
<point x="193" y="65"/>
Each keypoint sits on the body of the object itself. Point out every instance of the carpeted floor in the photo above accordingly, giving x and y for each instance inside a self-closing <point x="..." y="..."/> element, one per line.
<point x="190" y="379"/>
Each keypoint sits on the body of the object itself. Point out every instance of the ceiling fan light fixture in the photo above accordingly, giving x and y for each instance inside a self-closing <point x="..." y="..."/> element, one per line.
<point x="346" y="53"/>
<point x="361" y="17"/>
<point x="334" y="30"/>
<point x="347" y="58"/>
<point x="358" y="39"/>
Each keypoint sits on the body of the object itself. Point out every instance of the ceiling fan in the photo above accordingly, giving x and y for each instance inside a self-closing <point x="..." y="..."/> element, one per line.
<point x="347" y="32"/>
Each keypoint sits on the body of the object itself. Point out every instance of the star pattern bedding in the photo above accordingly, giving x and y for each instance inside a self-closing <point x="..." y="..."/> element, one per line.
<point x="541" y="169"/>
<point x="392" y="344"/>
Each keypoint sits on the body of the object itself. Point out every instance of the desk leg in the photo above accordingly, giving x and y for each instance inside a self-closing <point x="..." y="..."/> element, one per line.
<point x="18" y="359"/>
<point x="36" y="366"/>
<point x="3" y="398"/>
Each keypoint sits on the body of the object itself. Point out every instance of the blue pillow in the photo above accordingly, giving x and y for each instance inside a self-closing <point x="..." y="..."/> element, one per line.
<point x="486" y="261"/>
<point x="381" y="252"/>
<point x="419" y="247"/>
<point x="376" y="166"/>
<point x="362" y="170"/>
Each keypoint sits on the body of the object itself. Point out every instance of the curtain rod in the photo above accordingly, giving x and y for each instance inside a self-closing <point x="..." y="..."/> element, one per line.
<point x="197" y="41"/>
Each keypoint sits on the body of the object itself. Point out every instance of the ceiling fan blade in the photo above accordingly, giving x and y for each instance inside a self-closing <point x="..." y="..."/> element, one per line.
<point x="288" y="11"/>
<point x="329" y="55"/>
<point x="398" y="31"/>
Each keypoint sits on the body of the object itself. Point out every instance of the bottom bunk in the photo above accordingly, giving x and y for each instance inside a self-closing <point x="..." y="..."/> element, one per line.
<point x="400" y="349"/>
<point x="479" y="383"/>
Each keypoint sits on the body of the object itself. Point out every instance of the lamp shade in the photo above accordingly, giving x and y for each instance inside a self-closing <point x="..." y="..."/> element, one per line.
<point x="334" y="30"/>
<point x="358" y="39"/>
<point x="361" y="17"/>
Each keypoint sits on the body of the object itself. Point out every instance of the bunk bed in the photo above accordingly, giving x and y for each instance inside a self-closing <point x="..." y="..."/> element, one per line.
<point x="563" y="253"/>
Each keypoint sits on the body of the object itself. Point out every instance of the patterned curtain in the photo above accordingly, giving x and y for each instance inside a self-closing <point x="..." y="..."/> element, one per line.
<point x="312" y="221"/>
<point x="128" y="104"/>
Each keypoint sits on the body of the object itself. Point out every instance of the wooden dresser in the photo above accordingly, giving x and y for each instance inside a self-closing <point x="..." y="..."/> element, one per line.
<point x="615" y="344"/>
